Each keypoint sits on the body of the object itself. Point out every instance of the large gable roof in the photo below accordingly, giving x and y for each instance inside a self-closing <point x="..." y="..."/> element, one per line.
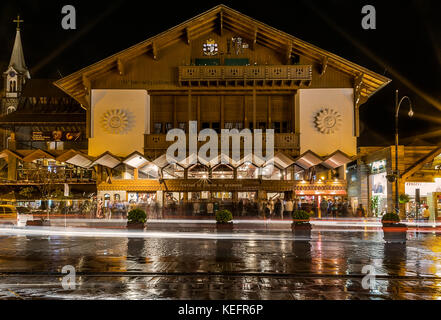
<point x="219" y="18"/>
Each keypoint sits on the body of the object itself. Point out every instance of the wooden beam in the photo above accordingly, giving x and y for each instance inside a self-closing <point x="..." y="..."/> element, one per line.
<point x="188" y="35"/>
<point x="120" y="66"/>
<point x="155" y="50"/>
<point x="420" y="163"/>
<point x="323" y="66"/>
<point x="86" y="84"/>
<point x="254" y="40"/>
<point x="221" y="23"/>
<point x="358" y="82"/>
<point x="288" y="53"/>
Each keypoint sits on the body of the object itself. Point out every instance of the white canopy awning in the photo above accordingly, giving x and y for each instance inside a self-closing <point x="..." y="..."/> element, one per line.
<point x="108" y="160"/>
<point x="308" y="159"/>
<point x="135" y="160"/>
<point x="336" y="160"/>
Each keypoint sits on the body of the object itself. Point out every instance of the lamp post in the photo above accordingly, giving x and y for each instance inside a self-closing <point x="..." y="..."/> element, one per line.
<point x="397" y="173"/>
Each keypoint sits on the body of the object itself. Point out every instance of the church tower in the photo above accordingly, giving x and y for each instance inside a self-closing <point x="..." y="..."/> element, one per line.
<point x="15" y="76"/>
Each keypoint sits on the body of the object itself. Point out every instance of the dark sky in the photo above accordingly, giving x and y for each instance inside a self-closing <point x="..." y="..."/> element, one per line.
<point x="406" y="46"/>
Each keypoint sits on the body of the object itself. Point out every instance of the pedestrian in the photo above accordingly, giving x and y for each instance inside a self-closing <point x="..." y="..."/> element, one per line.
<point x="334" y="209"/>
<point x="329" y="209"/>
<point x="426" y="213"/>
<point x="323" y="207"/>
<point x="281" y="208"/>
<point x="289" y="206"/>
<point x="99" y="210"/>
<point x="360" y="211"/>
<point x="210" y="208"/>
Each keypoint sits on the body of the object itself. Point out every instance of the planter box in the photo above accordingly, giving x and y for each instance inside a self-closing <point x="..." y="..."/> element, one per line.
<point x="394" y="232"/>
<point x="224" y="226"/>
<point x="38" y="223"/>
<point x="302" y="230"/>
<point x="136" y="226"/>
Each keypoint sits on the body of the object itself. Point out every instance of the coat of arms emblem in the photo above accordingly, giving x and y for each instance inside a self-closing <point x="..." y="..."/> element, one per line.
<point x="210" y="48"/>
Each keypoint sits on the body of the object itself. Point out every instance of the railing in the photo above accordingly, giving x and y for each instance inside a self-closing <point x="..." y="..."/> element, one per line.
<point x="245" y="73"/>
<point x="281" y="141"/>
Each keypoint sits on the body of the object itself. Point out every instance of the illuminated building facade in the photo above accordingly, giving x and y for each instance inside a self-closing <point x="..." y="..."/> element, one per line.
<point x="223" y="70"/>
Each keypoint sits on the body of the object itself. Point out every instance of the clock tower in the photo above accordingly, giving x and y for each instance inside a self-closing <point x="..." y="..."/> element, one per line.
<point x="15" y="75"/>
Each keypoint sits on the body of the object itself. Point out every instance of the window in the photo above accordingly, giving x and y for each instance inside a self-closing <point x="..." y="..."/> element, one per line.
<point x="262" y="125"/>
<point x="251" y="126"/>
<point x="205" y="125"/>
<point x="228" y="125"/>
<point x="168" y="126"/>
<point x="216" y="126"/>
<point x="182" y="125"/>
<point x="239" y="125"/>
<point x="276" y="127"/>
<point x="285" y="126"/>
<point x="157" y="127"/>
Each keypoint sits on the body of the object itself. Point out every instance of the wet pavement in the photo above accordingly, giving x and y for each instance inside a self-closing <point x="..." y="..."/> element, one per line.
<point x="264" y="264"/>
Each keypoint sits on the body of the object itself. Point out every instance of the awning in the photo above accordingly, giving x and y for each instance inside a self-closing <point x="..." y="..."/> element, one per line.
<point x="38" y="154"/>
<point x="281" y="161"/>
<point x="161" y="161"/>
<point x="77" y="158"/>
<point x="308" y="159"/>
<point x="135" y="160"/>
<point x="107" y="160"/>
<point x="336" y="160"/>
<point x="80" y="160"/>
<point x="9" y="153"/>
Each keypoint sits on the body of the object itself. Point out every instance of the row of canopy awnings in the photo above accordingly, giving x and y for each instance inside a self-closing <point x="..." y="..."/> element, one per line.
<point x="137" y="160"/>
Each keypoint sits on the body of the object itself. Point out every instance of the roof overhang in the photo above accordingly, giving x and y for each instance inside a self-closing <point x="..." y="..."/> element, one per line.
<point x="78" y="84"/>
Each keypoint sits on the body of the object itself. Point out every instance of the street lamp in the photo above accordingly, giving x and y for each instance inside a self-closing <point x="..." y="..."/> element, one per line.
<point x="397" y="173"/>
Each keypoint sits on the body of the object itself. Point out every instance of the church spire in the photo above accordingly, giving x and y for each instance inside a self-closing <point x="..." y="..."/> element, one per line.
<point x="17" y="57"/>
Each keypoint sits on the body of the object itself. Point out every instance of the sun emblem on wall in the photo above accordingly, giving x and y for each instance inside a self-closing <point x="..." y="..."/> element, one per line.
<point x="115" y="121"/>
<point x="327" y="121"/>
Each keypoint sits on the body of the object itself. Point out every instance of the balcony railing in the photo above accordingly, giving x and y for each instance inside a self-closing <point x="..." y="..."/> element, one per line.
<point x="287" y="74"/>
<point x="51" y="145"/>
<point x="281" y="141"/>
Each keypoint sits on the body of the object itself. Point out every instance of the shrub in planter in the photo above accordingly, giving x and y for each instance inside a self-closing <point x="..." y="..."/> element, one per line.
<point x="136" y="219"/>
<point x="224" y="219"/>
<point x="393" y="230"/>
<point x="300" y="225"/>
<point x="38" y="223"/>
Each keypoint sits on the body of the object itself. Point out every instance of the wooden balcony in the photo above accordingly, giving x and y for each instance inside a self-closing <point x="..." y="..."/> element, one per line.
<point x="283" y="75"/>
<point x="282" y="141"/>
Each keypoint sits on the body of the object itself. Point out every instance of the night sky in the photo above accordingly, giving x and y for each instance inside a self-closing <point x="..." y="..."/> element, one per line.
<point x="406" y="46"/>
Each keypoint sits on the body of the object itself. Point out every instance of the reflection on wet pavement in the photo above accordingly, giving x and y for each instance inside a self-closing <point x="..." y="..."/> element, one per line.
<point x="328" y="267"/>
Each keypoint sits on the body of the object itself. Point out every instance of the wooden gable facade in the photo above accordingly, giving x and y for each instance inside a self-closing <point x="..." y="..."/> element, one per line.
<point x="251" y="86"/>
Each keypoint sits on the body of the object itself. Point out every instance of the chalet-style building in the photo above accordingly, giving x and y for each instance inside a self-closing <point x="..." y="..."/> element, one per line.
<point x="223" y="70"/>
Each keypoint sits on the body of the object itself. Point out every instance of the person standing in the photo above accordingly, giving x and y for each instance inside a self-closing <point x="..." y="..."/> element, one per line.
<point x="289" y="206"/>
<point x="323" y="207"/>
<point x="426" y="213"/>
<point x="210" y="208"/>
<point x="334" y="209"/>
<point x="360" y="211"/>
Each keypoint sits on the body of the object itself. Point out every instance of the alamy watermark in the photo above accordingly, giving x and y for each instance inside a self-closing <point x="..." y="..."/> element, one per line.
<point x="368" y="282"/>
<point x="209" y="152"/>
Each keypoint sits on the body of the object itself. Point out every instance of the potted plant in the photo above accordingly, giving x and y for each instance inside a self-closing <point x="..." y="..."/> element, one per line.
<point x="393" y="230"/>
<point x="224" y="220"/>
<point x="136" y="219"/>
<point x="300" y="225"/>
